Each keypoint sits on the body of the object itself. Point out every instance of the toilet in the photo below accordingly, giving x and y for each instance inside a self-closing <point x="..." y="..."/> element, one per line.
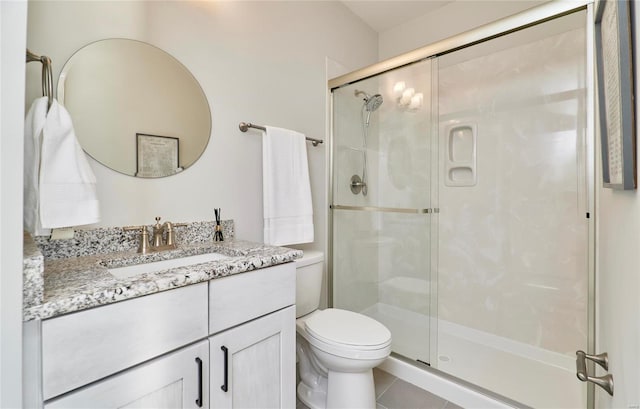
<point x="336" y="349"/>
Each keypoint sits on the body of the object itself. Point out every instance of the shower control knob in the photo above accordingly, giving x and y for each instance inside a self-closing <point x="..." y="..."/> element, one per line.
<point x="357" y="185"/>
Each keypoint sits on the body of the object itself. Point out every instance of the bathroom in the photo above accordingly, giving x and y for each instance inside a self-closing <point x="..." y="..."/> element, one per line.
<point x="257" y="63"/>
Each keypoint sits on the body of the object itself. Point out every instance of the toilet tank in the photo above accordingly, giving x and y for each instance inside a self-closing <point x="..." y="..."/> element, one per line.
<point x="309" y="271"/>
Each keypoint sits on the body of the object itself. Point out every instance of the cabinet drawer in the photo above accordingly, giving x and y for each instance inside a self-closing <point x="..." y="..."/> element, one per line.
<point x="176" y="380"/>
<point x="243" y="297"/>
<point x="83" y="347"/>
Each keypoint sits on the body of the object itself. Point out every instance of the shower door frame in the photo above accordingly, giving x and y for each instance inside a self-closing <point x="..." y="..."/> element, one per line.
<point x="505" y="26"/>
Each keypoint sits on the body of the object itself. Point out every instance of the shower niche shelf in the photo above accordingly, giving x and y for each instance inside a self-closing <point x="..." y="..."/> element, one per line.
<point x="461" y="155"/>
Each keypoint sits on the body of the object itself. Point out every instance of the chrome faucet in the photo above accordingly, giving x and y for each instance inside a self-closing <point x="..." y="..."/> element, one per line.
<point x="159" y="241"/>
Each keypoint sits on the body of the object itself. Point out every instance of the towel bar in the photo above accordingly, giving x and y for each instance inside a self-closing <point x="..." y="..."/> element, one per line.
<point x="244" y="126"/>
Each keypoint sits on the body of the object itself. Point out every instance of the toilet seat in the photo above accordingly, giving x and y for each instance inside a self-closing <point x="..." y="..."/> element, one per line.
<point x="347" y="334"/>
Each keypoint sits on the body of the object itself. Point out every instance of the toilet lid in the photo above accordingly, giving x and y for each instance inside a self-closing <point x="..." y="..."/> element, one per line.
<point x="347" y="328"/>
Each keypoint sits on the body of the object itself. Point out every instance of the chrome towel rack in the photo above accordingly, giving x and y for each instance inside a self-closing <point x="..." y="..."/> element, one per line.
<point x="244" y="126"/>
<point x="47" y="75"/>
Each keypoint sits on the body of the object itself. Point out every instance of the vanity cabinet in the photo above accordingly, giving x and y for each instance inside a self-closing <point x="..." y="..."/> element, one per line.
<point x="175" y="380"/>
<point x="253" y="364"/>
<point x="172" y="349"/>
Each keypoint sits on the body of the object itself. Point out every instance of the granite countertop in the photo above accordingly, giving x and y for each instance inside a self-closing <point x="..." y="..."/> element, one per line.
<point x="77" y="283"/>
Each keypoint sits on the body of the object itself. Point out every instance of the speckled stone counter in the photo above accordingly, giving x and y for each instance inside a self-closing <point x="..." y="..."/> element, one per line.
<point x="107" y="240"/>
<point x="81" y="282"/>
<point x="32" y="268"/>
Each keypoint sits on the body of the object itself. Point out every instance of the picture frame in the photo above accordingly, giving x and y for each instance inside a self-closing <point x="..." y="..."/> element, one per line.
<point x="157" y="156"/>
<point x="614" y="70"/>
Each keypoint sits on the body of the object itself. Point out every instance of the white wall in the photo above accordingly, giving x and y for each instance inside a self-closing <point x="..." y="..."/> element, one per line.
<point x="13" y="20"/>
<point x="453" y="18"/>
<point x="618" y="279"/>
<point x="261" y="62"/>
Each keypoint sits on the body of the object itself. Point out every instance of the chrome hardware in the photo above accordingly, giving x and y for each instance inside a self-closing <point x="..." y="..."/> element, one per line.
<point x="244" y="127"/>
<point x="606" y="381"/>
<point x="383" y="209"/>
<point x="601" y="359"/>
<point x="143" y="239"/>
<point x="358" y="185"/>
<point x="47" y="75"/>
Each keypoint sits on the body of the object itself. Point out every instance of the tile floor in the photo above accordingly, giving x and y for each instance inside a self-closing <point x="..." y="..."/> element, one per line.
<point x="394" y="393"/>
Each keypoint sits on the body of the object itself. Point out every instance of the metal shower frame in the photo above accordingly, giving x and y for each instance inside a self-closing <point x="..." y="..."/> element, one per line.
<point x="508" y="25"/>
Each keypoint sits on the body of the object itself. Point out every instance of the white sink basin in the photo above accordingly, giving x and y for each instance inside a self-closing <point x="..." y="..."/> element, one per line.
<point x="134" y="270"/>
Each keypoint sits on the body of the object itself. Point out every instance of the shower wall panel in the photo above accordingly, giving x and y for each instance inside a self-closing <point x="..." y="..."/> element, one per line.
<point x="513" y="247"/>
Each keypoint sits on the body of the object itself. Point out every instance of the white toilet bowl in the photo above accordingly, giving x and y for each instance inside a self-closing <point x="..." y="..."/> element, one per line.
<point x="337" y="350"/>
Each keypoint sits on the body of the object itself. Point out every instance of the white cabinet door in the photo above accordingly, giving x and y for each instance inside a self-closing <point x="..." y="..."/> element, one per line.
<point x="253" y="365"/>
<point x="176" y="380"/>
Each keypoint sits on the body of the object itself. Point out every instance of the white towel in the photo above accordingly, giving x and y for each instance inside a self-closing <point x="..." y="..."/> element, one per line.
<point x="33" y="125"/>
<point x="66" y="185"/>
<point x="288" y="213"/>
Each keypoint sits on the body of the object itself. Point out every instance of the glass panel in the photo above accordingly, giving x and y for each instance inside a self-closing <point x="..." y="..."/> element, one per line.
<point x="513" y="237"/>
<point x="380" y="269"/>
<point x="381" y="258"/>
<point x="393" y="150"/>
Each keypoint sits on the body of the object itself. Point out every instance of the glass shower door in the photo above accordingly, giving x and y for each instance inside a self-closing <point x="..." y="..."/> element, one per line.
<point x="381" y="206"/>
<point x="513" y="226"/>
<point x="502" y="153"/>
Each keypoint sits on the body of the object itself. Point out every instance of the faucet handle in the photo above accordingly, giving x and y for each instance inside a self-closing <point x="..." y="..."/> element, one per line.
<point x="143" y="244"/>
<point x="171" y="238"/>
<point x="132" y="228"/>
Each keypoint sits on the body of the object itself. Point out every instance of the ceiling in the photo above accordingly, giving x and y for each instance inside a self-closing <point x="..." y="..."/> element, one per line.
<point x="385" y="14"/>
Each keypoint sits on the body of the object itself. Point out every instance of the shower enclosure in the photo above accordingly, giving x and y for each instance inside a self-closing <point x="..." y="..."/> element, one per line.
<point x="460" y="209"/>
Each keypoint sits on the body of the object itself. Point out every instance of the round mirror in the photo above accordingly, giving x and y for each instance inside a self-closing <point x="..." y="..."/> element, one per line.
<point x="135" y="108"/>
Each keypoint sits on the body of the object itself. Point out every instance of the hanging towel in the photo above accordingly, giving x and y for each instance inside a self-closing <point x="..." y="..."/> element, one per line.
<point x="288" y="214"/>
<point x="66" y="185"/>
<point x="34" y="123"/>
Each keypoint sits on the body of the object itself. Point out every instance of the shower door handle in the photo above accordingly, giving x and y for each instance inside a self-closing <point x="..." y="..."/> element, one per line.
<point x="605" y="382"/>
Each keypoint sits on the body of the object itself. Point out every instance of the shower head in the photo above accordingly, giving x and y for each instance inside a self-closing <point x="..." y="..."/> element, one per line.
<point x="371" y="102"/>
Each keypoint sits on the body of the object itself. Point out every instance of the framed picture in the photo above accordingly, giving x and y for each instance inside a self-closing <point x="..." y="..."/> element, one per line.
<point x="156" y="156"/>
<point x="614" y="62"/>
